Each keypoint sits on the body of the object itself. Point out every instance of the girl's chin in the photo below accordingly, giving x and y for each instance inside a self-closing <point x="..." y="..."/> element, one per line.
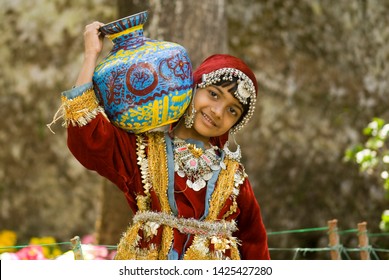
<point x="206" y="132"/>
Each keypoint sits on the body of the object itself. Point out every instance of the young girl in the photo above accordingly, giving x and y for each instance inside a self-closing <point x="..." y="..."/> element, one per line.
<point x="189" y="193"/>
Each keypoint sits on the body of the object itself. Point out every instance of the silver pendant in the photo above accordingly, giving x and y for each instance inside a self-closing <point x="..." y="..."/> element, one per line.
<point x="208" y="176"/>
<point x="215" y="167"/>
<point x="198" y="185"/>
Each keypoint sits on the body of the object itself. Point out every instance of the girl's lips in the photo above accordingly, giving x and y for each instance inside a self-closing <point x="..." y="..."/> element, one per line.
<point x="208" y="119"/>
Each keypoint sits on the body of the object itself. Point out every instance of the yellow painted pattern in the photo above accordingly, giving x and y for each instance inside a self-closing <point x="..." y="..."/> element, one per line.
<point x="127" y="31"/>
<point x="155" y="113"/>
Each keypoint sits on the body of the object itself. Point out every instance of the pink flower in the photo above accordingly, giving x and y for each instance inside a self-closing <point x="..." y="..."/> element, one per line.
<point x="27" y="253"/>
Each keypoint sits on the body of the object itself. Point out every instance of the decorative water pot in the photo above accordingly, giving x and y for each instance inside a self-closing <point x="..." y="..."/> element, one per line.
<point x="142" y="83"/>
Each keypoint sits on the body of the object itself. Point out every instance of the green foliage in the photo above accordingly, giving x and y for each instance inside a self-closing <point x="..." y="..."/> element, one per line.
<point x="384" y="225"/>
<point x="373" y="157"/>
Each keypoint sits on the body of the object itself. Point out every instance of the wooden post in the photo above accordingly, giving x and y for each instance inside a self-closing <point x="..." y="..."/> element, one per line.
<point x="77" y="250"/>
<point x="334" y="239"/>
<point x="363" y="241"/>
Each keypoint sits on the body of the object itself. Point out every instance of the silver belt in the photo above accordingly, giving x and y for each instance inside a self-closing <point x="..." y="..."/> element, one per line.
<point x="220" y="228"/>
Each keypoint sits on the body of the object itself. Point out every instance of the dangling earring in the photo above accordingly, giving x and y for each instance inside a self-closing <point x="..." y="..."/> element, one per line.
<point x="189" y="119"/>
<point x="237" y="155"/>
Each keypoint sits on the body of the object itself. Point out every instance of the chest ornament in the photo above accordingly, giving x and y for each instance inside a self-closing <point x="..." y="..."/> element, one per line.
<point x="196" y="164"/>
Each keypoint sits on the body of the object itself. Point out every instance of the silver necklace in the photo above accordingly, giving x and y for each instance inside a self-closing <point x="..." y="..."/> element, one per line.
<point x="196" y="164"/>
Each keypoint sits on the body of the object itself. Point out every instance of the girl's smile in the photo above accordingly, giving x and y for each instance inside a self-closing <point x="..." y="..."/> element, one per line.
<point x="208" y="120"/>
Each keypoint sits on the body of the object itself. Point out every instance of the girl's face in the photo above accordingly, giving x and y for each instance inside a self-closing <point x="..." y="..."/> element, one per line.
<point x="217" y="110"/>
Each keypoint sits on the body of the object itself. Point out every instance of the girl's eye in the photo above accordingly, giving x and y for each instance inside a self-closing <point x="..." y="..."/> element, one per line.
<point x="213" y="94"/>
<point x="233" y="111"/>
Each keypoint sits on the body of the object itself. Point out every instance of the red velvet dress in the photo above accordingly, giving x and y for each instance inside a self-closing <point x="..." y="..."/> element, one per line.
<point x="114" y="153"/>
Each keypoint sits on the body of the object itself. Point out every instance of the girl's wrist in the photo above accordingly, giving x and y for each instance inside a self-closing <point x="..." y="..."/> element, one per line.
<point x="91" y="56"/>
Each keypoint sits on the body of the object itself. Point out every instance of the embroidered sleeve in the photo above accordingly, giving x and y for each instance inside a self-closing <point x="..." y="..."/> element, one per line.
<point x="98" y="144"/>
<point x="80" y="105"/>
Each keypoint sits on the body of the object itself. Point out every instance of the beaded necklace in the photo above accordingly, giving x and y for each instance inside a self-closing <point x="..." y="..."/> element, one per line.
<point x="197" y="164"/>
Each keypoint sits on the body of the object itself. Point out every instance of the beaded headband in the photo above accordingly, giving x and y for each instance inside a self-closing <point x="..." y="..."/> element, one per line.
<point x="244" y="93"/>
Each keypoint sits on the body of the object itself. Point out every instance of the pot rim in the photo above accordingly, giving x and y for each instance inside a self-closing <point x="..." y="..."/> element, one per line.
<point x="124" y="23"/>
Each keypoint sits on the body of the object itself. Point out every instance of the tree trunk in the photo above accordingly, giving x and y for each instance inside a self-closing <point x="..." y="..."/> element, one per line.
<point x="200" y="26"/>
<point x="115" y="215"/>
<point x="130" y="7"/>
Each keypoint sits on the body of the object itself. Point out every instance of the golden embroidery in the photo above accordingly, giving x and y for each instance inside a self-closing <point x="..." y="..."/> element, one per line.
<point x="155" y="163"/>
<point x="143" y="201"/>
<point x="199" y="250"/>
<point x="157" y="159"/>
<point x="128" y="243"/>
<point x="81" y="109"/>
<point x="233" y="208"/>
<point x="147" y="253"/>
<point x="235" y="255"/>
<point x="223" y="190"/>
<point x="158" y="170"/>
<point x="167" y="240"/>
<point x="220" y="244"/>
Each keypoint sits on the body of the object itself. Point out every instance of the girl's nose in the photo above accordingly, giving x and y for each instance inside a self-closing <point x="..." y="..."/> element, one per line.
<point x="216" y="111"/>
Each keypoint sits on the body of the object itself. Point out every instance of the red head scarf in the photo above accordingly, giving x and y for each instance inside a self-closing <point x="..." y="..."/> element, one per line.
<point x="218" y="61"/>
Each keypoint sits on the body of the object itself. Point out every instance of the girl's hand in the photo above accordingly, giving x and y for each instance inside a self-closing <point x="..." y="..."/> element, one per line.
<point x="93" y="39"/>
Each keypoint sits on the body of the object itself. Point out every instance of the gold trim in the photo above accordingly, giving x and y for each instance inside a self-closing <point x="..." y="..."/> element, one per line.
<point x="158" y="173"/>
<point x="81" y="109"/>
<point x="143" y="201"/>
<point x="199" y="250"/>
<point x="157" y="159"/>
<point x="128" y="243"/>
<point x="223" y="190"/>
<point x="235" y="255"/>
<point x="232" y="210"/>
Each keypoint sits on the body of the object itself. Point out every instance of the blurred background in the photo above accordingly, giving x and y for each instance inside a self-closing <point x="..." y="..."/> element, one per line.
<point x="323" y="70"/>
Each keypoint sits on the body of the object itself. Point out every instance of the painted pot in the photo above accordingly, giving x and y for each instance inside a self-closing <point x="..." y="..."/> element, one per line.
<point x="142" y="83"/>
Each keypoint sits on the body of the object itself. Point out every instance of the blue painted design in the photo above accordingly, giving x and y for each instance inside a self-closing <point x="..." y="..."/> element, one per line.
<point x="142" y="83"/>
